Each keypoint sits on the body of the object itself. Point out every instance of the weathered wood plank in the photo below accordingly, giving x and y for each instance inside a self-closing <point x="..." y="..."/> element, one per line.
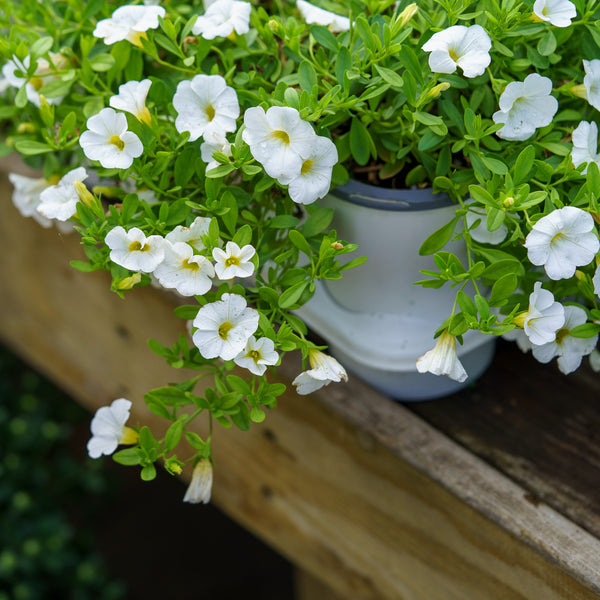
<point x="352" y="487"/>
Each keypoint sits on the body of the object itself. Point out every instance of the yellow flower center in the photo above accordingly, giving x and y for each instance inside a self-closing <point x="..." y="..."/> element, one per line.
<point x="224" y="329"/>
<point x="561" y="334"/>
<point x="137" y="247"/>
<point x="306" y="166"/>
<point x="254" y="355"/>
<point x="210" y="112"/>
<point x="232" y="260"/>
<point x="37" y="83"/>
<point x="115" y="140"/>
<point x="557" y="237"/>
<point x="453" y="54"/>
<point x="192" y="266"/>
<point x="135" y="37"/>
<point x="281" y="135"/>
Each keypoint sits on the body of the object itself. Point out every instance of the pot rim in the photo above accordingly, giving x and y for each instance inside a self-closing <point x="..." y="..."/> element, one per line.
<point x="382" y="198"/>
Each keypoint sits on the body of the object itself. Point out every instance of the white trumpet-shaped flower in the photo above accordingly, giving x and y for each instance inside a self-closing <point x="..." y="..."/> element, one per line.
<point x="204" y="105"/>
<point x="278" y="139"/>
<point x="214" y="141"/>
<point x="459" y="46"/>
<point x="108" y="141"/>
<point x="233" y="261"/>
<point x="556" y="12"/>
<point x="224" y="327"/>
<point x="133" y="250"/>
<point x="34" y="85"/>
<point x="26" y="196"/>
<point x="132" y="99"/>
<point x="188" y="273"/>
<point x="193" y="235"/>
<point x="314" y="178"/>
<point x="313" y="14"/>
<point x="60" y="201"/>
<point x="128" y="23"/>
<point x="257" y="355"/>
<point x="591" y="82"/>
<point x="563" y="240"/>
<point x="525" y="106"/>
<point x="109" y="429"/>
<point x="222" y="18"/>
<point x="442" y="359"/>
<point x="200" y="487"/>
<point x="585" y="144"/>
<point x="569" y="349"/>
<point x="480" y="233"/>
<point x="325" y="369"/>
<point x="543" y="318"/>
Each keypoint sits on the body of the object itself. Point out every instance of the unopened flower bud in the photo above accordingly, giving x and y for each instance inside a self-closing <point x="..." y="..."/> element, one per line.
<point x="26" y="128"/>
<point x="274" y="25"/>
<point x="579" y="91"/>
<point x="437" y="90"/>
<point x="337" y="246"/>
<point x="176" y="469"/>
<point x="580" y="275"/>
<point x="129" y="282"/>
<point x="85" y="196"/>
<point x="408" y="13"/>
<point x="508" y="202"/>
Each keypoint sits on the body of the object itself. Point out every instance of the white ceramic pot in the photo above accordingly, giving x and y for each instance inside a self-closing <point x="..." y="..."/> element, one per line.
<point x="375" y="320"/>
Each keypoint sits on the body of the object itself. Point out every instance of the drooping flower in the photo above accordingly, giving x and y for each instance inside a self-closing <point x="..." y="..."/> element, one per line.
<point x="214" y="141"/>
<point x="591" y="82"/>
<point x="108" y="141"/>
<point x="133" y="250"/>
<point x="204" y="105"/>
<point x="132" y="99"/>
<point x="313" y="14"/>
<point x="569" y="349"/>
<point x="459" y="46"/>
<point x="109" y="429"/>
<point x="192" y="235"/>
<point x="257" y="355"/>
<point x="278" y="139"/>
<point x="557" y="12"/>
<point x="188" y="273"/>
<point x="128" y="23"/>
<point x="314" y="178"/>
<point x="200" y="487"/>
<point x="60" y="201"/>
<point x="562" y="241"/>
<point x="224" y="327"/>
<point x="442" y="359"/>
<point x="585" y="144"/>
<point x="222" y="18"/>
<point x="325" y="369"/>
<point x="543" y="318"/>
<point x="525" y="106"/>
<point x="26" y="196"/>
<point x="233" y="261"/>
<point x="481" y="233"/>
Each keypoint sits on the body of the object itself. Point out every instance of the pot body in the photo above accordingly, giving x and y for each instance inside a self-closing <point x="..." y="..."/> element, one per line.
<point x="376" y="321"/>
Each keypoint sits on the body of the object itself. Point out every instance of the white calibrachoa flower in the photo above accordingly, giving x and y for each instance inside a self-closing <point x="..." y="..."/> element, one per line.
<point x="481" y="233"/>
<point x="133" y="250"/>
<point x="596" y="281"/>
<point x="188" y="273"/>
<point x="26" y="196"/>
<point x="562" y="241"/>
<point x="278" y="139"/>
<point x="591" y="82"/>
<point x="109" y="429"/>
<point x="214" y="141"/>
<point x="233" y="261"/>
<point x="132" y="99"/>
<point x="60" y="201"/>
<point x="192" y="235"/>
<point x="325" y="369"/>
<point x="108" y="141"/>
<point x="442" y="359"/>
<point x="557" y="12"/>
<point x="222" y="18"/>
<point x="459" y="46"/>
<point x="257" y="355"/>
<point x="200" y="487"/>
<point x="33" y="85"/>
<point x="585" y="144"/>
<point x="224" y="327"/>
<point x="570" y="350"/>
<point x="595" y="360"/>
<point x="520" y="338"/>
<point x="313" y="14"/>
<point x="525" y="106"/>
<point x="543" y="318"/>
<point x="128" y="23"/>
<point x="204" y="105"/>
<point x="314" y="178"/>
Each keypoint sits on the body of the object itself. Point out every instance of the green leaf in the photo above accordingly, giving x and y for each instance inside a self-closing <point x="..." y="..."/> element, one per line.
<point x="168" y="395"/>
<point x="196" y="442"/>
<point x="41" y="46"/>
<point x="242" y="418"/>
<point x="299" y="241"/>
<point x="127" y="457"/>
<point x="547" y="44"/>
<point x="495" y="165"/>
<point x="158" y="409"/>
<point x="324" y="37"/>
<point x="523" y="165"/>
<point x="360" y="142"/>
<point x="291" y="296"/>
<point x="307" y="76"/>
<point x="283" y="222"/>
<point x="390" y="76"/>
<point x="586" y="330"/>
<point x="31" y="147"/>
<point x="438" y="239"/>
<point x="173" y="436"/>
<point x="466" y="304"/>
<point x="503" y="288"/>
<point x="102" y="62"/>
<point x="148" y="473"/>
<point x="318" y="221"/>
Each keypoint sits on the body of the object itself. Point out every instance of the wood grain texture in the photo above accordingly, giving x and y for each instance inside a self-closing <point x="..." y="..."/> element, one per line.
<point x="352" y="487"/>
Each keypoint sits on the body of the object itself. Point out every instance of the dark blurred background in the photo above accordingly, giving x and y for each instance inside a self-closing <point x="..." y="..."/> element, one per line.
<point x="73" y="528"/>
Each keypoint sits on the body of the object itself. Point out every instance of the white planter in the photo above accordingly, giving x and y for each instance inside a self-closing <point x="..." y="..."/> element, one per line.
<point x="376" y="322"/>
